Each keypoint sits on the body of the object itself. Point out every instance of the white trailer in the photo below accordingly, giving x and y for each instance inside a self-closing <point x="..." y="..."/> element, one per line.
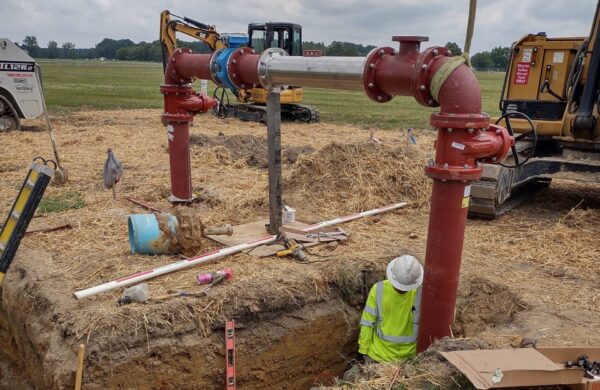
<point x="21" y="94"/>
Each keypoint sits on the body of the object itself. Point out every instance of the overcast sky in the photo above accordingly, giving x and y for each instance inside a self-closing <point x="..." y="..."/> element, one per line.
<point x="499" y="22"/>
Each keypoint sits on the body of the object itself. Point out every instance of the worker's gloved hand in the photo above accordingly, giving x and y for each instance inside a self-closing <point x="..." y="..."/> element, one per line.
<point x="360" y="358"/>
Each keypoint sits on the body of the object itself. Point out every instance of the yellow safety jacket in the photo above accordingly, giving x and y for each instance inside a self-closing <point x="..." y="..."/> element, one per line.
<point x="389" y="323"/>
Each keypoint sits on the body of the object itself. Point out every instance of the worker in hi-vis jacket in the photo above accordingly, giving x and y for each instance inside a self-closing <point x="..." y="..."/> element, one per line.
<point x="390" y="319"/>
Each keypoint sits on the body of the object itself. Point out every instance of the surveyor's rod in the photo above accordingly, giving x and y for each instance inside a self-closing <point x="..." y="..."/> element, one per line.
<point x="206" y="257"/>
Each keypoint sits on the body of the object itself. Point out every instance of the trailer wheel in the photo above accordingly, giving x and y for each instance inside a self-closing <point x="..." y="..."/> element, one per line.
<point x="8" y="123"/>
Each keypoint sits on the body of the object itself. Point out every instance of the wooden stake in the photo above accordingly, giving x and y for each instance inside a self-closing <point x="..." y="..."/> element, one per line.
<point x="79" y="375"/>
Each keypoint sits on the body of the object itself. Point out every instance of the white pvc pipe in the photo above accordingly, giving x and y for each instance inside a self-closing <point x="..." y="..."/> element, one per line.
<point x="347" y="218"/>
<point x="165" y="269"/>
<point x="206" y="257"/>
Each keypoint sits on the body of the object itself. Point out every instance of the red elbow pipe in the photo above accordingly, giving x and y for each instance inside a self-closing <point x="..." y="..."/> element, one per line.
<point x="183" y="67"/>
<point x="181" y="103"/>
<point x="465" y="138"/>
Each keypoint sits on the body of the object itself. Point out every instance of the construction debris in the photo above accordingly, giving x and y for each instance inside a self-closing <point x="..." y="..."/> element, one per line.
<point x="210" y="277"/>
<point x="180" y="232"/>
<point x="523" y="366"/>
<point x="132" y="294"/>
<point x="145" y="275"/>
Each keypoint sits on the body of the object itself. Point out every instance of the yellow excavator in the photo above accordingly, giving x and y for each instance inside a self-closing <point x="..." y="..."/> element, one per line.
<point x="550" y="100"/>
<point x="251" y="104"/>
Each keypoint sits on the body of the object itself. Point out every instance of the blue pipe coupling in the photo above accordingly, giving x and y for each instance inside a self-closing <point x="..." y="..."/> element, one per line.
<point x="147" y="237"/>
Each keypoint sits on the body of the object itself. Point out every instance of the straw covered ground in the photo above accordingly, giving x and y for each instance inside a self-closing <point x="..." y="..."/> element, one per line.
<point x="532" y="273"/>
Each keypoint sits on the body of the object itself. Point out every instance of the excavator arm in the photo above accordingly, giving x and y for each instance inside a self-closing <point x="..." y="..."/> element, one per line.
<point x="169" y="27"/>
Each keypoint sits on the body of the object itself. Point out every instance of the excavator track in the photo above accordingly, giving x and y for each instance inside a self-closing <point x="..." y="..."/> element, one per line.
<point x="490" y="208"/>
<point x="301" y="112"/>
<point x="501" y="189"/>
<point x="290" y="112"/>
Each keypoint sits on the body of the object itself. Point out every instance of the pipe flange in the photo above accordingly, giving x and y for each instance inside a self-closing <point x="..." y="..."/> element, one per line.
<point x="233" y="67"/>
<point x="176" y="89"/>
<point x="263" y="69"/>
<point x="214" y="67"/>
<point x="369" y="84"/>
<point x="173" y="58"/>
<point x="453" y="173"/>
<point x="421" y="70"/>
<point x="460" y="121"/>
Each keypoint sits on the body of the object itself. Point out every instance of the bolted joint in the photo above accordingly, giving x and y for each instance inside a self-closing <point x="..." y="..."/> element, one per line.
<point x="372" y="61"/>
<point x="182" y="103"/>
<point x="459" y="152"/>
<point x="426" y="65"/>
<point x="242" y="69"/>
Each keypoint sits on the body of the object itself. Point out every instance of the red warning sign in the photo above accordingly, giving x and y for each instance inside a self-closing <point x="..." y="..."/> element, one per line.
<point x="522" y="75"/>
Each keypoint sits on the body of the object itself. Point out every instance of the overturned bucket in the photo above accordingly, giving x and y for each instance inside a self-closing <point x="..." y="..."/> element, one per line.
<point x="147" y="237"/>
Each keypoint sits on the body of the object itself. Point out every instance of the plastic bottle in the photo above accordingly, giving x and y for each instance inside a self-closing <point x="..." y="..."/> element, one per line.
<point x="210" y="276"/>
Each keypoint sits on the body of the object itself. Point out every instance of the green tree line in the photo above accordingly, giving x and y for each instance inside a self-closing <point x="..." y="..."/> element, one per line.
<point x="127" y="50"/>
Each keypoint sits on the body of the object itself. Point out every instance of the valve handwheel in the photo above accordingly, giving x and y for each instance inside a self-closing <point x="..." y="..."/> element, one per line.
<point x="221" y="109"/>
<point x="520" y="157"/>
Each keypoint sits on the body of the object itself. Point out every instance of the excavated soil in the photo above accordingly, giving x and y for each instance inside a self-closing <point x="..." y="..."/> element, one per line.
<point x="530" y="275"/>
<point x="249" y="148"/>
<point x="484" y="304"/>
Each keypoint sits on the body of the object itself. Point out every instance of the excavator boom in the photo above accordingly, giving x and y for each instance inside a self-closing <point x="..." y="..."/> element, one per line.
<point x="170" y="26"/>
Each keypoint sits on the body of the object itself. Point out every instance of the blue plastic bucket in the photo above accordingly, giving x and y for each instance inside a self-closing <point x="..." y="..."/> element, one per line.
<point x="145" y="236"/>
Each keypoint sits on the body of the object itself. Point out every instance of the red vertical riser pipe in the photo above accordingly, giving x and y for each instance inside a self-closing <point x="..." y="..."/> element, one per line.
<point x="181" y="103"/>
<point x="445" y="238"/>
<point x="464" y="138"/>
<point x="180" y="162"/>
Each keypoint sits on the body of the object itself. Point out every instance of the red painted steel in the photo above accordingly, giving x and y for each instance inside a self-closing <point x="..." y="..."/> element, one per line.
<point x="183" y="66"/>
<point x="465" y="138"/>
<point x="181" y="103"/>
<point x="243" y="68"/>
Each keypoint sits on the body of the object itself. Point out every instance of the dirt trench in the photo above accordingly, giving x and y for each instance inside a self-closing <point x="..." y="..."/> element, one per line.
<point x="289" y="350"/>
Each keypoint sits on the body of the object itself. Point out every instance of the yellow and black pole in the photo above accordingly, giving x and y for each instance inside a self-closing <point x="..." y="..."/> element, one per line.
<point x="22" y="211"/>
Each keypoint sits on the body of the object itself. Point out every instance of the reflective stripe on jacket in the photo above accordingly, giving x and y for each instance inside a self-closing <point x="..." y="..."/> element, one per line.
<point x="389" y="323"/>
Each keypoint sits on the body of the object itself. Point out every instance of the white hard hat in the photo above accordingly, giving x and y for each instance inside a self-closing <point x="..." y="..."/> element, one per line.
<point x="405" y="273"/>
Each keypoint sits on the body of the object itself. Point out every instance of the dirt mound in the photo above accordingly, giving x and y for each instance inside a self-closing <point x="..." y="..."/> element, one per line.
<point x="355" y="177"/>
<point x="250" y="148"/>
<point x="484" y="304"/>
<point x="427" y="370"/>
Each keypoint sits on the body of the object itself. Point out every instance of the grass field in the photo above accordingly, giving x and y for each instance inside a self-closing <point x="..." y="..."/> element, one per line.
<point x="113" y="85"/>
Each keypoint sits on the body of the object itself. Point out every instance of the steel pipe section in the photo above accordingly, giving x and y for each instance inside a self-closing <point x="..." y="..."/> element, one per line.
<point x="279" y="69"/>
<point x="465" y="137"/>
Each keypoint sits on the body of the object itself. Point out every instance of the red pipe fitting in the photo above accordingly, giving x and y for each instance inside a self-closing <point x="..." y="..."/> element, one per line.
<point x="181" y="104"/>
<point x="459" y="150"/>
<point x="183" y="67"/>
<point x="389" y="73"/>
<point x="243" y="68"/>
<point x="464" y="140"/>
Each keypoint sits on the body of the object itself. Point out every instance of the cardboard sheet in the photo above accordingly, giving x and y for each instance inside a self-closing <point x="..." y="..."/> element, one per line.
<point x="255" y="230"/>
<point x="487" y="369"/>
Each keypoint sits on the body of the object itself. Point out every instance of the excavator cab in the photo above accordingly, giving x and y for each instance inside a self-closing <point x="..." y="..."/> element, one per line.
<point x="286" y="36"/>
